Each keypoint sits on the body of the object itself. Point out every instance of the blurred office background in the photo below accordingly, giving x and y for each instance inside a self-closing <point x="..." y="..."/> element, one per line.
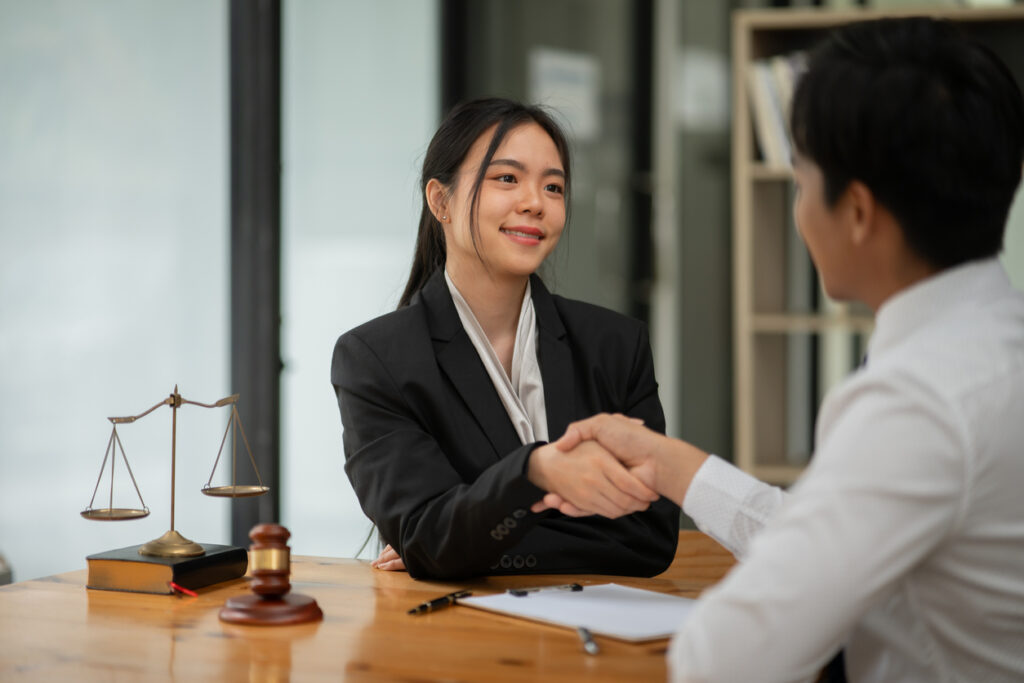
<point x="119" y="241"/>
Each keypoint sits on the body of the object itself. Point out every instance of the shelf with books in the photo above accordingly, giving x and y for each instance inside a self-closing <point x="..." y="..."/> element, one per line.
<point x="791" y="343"/>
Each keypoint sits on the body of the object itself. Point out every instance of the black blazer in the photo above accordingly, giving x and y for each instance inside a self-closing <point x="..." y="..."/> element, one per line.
<point x="437" y="464"/>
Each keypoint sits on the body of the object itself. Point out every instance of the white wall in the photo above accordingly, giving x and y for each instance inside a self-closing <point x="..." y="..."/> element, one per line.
<point x="360" y="104"/>
<point x="113" y="267"/>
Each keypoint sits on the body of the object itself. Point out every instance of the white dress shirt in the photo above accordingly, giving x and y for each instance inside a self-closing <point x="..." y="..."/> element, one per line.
<point x="904" y="539"/>
<point x="522" y="394"/>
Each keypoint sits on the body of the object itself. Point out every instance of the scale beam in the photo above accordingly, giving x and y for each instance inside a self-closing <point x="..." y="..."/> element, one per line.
<point x="172" y="543"/>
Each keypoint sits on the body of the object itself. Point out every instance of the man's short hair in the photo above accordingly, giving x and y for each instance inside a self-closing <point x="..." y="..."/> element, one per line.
<point x="931" y="122"/>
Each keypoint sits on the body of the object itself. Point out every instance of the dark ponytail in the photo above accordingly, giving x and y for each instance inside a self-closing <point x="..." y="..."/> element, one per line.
<point x="447" y="150"/>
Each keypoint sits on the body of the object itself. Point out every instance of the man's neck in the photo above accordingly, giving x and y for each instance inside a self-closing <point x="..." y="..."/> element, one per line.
<point x="907" y="273"/>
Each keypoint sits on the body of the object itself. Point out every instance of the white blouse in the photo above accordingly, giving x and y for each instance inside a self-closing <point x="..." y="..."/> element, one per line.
<point x="522" y="394"/>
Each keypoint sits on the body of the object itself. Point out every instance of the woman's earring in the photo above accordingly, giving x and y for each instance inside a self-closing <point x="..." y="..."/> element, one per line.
<point x="444" y="218"/>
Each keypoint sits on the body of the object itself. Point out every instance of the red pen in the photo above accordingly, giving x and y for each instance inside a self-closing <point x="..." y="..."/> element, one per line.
<point x="182" y="589"/>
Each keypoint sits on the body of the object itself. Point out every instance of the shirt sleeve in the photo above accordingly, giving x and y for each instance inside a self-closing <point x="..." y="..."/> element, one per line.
<point x="884" y="488"/>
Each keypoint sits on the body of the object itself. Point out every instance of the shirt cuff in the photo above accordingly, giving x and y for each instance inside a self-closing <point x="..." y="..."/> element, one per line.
<point x="718" y="493"/>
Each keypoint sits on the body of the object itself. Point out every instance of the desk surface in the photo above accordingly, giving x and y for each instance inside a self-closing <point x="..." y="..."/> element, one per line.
<point x="54" y="629"/>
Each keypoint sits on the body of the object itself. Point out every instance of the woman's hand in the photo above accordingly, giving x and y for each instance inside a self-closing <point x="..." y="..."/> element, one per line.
<point x="388" y="560"/>
<point x="590" y="479"/>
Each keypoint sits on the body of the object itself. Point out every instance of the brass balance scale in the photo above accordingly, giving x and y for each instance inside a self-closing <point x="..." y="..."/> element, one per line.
<point x="172" y="543"/>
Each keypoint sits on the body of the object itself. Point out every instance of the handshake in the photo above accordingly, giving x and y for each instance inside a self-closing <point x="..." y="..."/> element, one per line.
<point x="611" y="465"/>
<point x="608" y="465"/>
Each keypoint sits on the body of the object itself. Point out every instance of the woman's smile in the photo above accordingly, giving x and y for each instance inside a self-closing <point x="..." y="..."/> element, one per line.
<point x="524" y="234"/>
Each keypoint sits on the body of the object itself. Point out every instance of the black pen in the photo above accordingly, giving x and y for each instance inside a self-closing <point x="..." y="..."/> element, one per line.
<point x="438" y="603"/>
<point x="588" y="641"/>
<point x="521" y="592"/>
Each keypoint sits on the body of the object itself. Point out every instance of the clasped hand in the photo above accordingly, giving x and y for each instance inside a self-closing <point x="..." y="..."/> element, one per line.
<point x="603" y="465"/>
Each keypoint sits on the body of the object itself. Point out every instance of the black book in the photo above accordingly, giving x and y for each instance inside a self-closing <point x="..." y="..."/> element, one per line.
<point x="125" y="569"/>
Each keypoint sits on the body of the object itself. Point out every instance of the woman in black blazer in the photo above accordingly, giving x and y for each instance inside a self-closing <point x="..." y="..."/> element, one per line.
<point x="447" y="403"/>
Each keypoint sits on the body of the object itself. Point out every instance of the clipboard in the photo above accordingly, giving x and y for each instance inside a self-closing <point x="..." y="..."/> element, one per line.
<point x="611" y="610"/>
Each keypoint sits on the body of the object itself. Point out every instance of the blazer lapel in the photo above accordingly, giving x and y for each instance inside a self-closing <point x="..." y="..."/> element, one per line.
<point x="555" y="358"/>
<point x="459" y="360"/>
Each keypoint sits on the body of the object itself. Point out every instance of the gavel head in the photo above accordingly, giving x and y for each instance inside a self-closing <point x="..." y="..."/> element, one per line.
<point x="269" y="561"/>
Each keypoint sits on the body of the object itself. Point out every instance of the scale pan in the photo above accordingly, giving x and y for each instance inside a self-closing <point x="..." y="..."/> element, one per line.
<point x="114" y="514"/>
<point x="235" y="491"/>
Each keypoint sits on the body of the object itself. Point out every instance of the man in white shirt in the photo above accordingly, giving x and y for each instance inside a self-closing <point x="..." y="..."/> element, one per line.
<point x="903" y="542"/>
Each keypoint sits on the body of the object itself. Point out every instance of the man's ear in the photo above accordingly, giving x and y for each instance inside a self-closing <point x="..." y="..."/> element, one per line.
<point x="861" y="210"/>
<point x="437" y="199"/>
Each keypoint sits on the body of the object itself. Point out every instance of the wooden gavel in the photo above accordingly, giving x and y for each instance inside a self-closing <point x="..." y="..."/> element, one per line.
<point x="272" y="603"/>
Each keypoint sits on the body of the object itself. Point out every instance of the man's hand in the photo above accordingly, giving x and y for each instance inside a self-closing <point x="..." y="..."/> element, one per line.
<point x="589" y="479"/>
<point x="663" y="464"/>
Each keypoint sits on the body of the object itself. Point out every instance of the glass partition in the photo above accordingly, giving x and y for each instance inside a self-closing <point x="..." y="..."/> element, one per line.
<point x="360" y="102"/>
<point x="113" y="269"/>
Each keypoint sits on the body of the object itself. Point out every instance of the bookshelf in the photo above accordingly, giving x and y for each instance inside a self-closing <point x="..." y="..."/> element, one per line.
<point x="791" y="344"/>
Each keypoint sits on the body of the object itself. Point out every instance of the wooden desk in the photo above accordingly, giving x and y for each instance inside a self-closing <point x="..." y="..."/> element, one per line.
<point x="54" y="629"/>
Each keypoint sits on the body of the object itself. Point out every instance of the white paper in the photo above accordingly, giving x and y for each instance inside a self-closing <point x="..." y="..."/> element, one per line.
<point x="608" y="610"/>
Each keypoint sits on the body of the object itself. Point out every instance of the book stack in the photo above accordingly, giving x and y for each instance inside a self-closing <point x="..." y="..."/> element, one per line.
<point x="125" y="569"/>
<point x="770" y="84"/>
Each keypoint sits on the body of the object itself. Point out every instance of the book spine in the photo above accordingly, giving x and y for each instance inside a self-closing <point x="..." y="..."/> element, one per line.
<point x="201" y="575"/>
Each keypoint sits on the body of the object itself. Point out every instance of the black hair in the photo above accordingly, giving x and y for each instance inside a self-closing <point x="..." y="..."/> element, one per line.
<point x="930" y="122"/>
<point x="463" y="125"/>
